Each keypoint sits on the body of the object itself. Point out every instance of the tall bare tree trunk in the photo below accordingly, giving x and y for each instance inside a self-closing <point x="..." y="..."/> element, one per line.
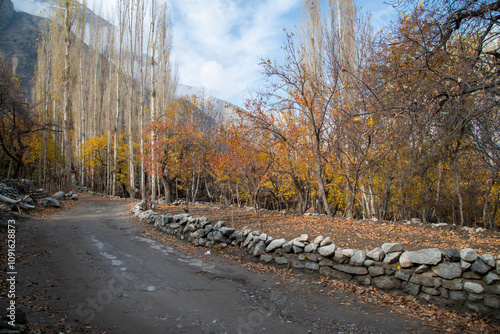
<point x="456" y="180"/>
<point x="132" y="46"/>
<point x="82" y="120"/>
<point x="66" y="99"/>
<point x="152" y="103"/>
<point x="109" y="118"/>
<point x="81" y="29"/>
<point x="122" y="19"/>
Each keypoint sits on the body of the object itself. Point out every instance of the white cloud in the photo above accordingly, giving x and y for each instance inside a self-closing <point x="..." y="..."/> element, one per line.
<point x="218" y="43"/>
<point x="211" y="73"/>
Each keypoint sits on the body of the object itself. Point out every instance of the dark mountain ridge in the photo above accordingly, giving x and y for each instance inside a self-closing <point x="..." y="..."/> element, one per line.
<point x="19" y="32"/>
<point x="18" y="38"/>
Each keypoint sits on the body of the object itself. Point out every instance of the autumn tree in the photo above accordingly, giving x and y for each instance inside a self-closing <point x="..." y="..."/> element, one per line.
<point x="16" y="123"/>
<point x="313" y="92"/>
<point x="440" y="74"/>
<point x="184" y="131"/>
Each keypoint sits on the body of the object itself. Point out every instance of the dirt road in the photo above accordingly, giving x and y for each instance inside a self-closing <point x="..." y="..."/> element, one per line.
<point x="90" y="270"/>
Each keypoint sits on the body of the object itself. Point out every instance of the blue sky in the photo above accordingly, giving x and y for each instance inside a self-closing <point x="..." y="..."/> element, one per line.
<point x="218" y="43"/>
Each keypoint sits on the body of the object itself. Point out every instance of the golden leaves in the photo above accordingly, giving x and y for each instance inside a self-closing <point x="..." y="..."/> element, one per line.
<point x="93" y="151"/>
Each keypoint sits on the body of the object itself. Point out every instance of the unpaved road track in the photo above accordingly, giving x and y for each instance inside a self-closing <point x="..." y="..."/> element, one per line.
<point x="92" y="271"/>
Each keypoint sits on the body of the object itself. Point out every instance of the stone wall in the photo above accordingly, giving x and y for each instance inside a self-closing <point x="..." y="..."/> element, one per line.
<point x="462" y="280"/>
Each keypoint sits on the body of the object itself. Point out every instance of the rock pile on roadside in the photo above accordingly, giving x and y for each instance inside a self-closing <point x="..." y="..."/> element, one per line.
<point x="23" y="195"/>
<point x="10" y="191"/>
<point x="57" y="198"/>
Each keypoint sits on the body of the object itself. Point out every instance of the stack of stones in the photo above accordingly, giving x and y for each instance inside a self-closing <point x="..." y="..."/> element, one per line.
<point x="10" y="188"/>
<point x="448" y="278"/>
<point x="61" y="195"/>
<point x="10" y="191"/>
<point x="28" y="186"/>
<point x="57" y="198"/>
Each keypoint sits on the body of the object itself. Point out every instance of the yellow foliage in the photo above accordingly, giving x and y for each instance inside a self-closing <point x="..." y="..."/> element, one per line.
<point x="93" y="151"/>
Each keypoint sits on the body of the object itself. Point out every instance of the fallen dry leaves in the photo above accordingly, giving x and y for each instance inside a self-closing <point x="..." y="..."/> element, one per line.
<point x="41" y="212"/>
<point x="364" y="235"/>
<point x="437" y="318"/>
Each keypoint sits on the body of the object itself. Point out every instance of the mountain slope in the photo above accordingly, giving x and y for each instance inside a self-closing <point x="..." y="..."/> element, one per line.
<point x="18" y="35"/>
<point x="224" y="110"/>
<point x="6" y="11"/>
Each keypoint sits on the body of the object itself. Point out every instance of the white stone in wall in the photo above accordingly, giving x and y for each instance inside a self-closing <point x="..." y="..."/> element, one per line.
<point x="248" y="240"/>
<point x="303" y="238"/>
<point x="391" y="258"/>
<point x="259" y="249"/>
<point x="390" y="247"/>
<point x="488" y="259"/>
<point x="431" y="256"/>
<point x="275" y="244"/>
<point x="310" y="248"/>
<point x="358" y="258"/>
<point x="219" y="224"/>
<point x="319" y="240"/>
<point x="473" y="287"/>
<point x="491" y="278"/>
<point x="348" y="252"/>
<point x="376" y="254"/>
<point x="327" y="250"/>
<point x="327" y="241"/>
<point x="298" y="243"/>
<point x="404" y="260"/>
<point x="369" y="263"/>
<point x="468" y="255"/>
<point x="465" y="265"/>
